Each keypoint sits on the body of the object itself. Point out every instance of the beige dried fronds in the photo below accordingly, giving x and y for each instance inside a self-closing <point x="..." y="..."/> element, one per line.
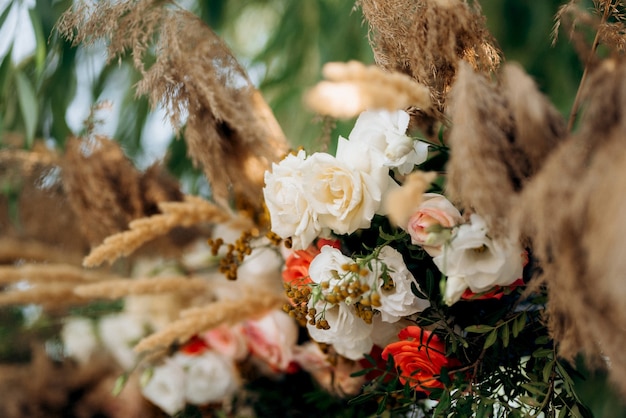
<point x="230" y="130"/>
<point x="252" y="304"/>
<point x="572" y="212"/>
<point x="426" y="39"/>
<point x="402" y="202"/>
<point x="32" y="189"/>
<point x="116" y="289"/>
<point x="353" y="88"/>
<point x="193" y="211"/>
<point x="102" y="186"/>
<point x="51" y="273"/>
<point x="500" y="137"/>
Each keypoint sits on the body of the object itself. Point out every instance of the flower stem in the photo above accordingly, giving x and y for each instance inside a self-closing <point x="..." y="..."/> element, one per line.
<point x="594" y="47"/>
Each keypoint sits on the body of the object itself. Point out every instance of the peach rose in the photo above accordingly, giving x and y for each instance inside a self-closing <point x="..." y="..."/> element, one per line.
<point x="429" y="225"/>
<point x="419" y="355"/>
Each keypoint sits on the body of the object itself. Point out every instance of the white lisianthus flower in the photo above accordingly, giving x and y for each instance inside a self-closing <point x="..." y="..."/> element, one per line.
<point x="209" y="377"/>
<point x="327" y="265"/>
<point x="287" y="203"/>
<point x="399" y="301"/>
<point x="79" y="339"/>
<point x="166" y="387"/>
<point x="344" y="199"/>
<point x="119" y="333"/>
<point x="475" y="261"/>
<point x="385" y="132"/>
<point x="349" y="334"/>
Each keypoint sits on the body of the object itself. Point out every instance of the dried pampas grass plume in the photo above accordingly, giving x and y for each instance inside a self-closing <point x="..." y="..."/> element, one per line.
<point x="116" y="289"/>
<point x="402" y="202"/>
<point x="426" y="39"/>
<point x="580" y="245"/>
<point x="500" y="137"/>
<point x="102" y="186"/>
<point x="49" y="296"/>
<point x="50" y="273"/>
<point x="230" y="130"/>
<point x="353" y="88"/>
<point x="192" y="211"/>
<point x="252" y="304"/>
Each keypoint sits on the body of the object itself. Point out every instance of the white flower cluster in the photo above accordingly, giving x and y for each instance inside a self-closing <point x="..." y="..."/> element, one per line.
<point x="308" y="196"/>
<point x="351" y="335"/>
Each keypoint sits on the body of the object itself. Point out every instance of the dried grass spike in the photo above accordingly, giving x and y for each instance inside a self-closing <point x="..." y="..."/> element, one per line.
<point x="253" y="303"/>
<point x="116" y="289"/>
<point x="192" y="211"/>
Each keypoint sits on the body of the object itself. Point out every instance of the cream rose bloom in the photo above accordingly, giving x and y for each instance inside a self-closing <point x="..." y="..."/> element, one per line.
<point x="119" y="333"/>
<point x="343" y="198"/>
<point x="475" y="261"/>
<point x="79" y="339"/>
<point x="385" y="132"/>
<point x="209" y="377"/>
<point x="165" y="388"/>
<point x="399" y="301"/>
<point x="286" y="200"/>
<point x="430" y="225"/>
<point x="272" y="338"/>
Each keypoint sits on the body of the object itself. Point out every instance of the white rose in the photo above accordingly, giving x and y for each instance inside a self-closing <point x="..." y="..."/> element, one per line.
<point x="79" y="339"/>
<point x="119" y="333"/>
<point x="209" y="377"/>
<point x="385" y="132"/>
<point x="475" y="261"/>
<point x="342" y="198"/>
<point x="286" y="200"/>
<point x="399" y="301"/>
<point x="349" y="334"/>
<point x="165" y="388"/>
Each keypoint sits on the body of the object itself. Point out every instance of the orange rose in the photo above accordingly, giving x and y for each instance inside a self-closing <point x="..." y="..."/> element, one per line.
<point x="496" y="293"/>
<point x="419" y="356"/>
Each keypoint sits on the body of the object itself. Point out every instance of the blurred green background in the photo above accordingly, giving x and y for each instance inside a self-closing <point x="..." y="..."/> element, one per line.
<point x="46" y="95"/>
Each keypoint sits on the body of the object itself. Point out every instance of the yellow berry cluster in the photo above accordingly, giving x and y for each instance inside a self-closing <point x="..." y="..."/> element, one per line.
<point x="275" y="239"/>
<point x="235" y="253"/>
<point x="298" y="308"/>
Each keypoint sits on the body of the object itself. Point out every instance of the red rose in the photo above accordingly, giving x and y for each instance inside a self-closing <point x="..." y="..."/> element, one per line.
<point x="496" y="293"/>
<point x="419" y="356"/>
<point x="195" y="346"/>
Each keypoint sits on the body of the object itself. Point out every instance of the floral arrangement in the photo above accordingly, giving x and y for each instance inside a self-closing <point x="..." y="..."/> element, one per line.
<point x="417" y="270"/>
<point x="384" y="269"/>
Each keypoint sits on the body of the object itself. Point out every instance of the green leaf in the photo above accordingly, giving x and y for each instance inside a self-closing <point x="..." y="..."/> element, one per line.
<point x="362" y="372"/>
<point x="120" y="382"/>
<point x="480" y="329"/>
<point x="504" y="332"/>
<point x="491" y="339"/>
<point x="542" y="352"/>
<point x="547" y="371"/>
<point x="518" y="324"/>
<point x="534" y="388"/>
<point x="28" y="106"/>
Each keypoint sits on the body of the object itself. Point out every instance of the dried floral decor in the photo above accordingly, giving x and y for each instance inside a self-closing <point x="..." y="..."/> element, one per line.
<point x="452" y="258"/>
